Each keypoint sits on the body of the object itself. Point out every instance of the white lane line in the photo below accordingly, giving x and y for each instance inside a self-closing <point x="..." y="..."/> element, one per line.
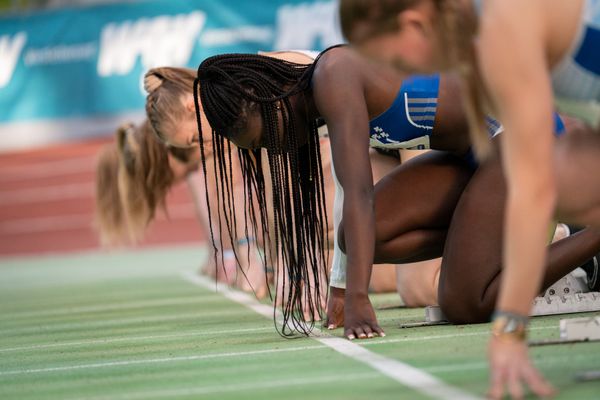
<point x="485" y="332"/>
<point x="157" y="360"/>
<point x="111" y="307"/>
<point x="133" y="339"/>
<point x="407" y="375"/>
<point x="197" y="391"/>
<point x="545" y="362"/>
<point x="48" y="328"/>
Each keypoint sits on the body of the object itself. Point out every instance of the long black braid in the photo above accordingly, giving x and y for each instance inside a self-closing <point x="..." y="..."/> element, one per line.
<point x="231" y="88"/>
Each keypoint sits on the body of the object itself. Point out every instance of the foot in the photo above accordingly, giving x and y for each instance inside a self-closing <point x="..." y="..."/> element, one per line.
<point x="590" y="267"/>
<point x="591" y="270"/>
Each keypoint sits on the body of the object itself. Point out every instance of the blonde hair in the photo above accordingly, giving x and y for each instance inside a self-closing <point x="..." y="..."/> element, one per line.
<point x="166" y="88"/>
<point x="363" y="19"/>
<point x="133" y="178"/>
<point x="109" y="218"/>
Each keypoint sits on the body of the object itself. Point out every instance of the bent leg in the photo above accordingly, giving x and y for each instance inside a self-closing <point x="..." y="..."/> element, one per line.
<point x="414" y="205"/>
<point x="417" y="283"/>
<point x="471" y="266"/>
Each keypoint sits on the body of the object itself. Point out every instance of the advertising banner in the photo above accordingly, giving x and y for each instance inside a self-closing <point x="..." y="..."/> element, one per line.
<point x="78" y="72"/>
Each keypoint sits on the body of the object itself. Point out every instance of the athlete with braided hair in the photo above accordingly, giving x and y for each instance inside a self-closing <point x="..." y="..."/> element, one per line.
<point x="257" y="101"/>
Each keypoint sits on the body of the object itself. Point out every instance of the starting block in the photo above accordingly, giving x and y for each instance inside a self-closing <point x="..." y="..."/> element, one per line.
<point x="575" y="330"/>
<point x="434" y="314"/>
<point x="569" y="295"/>
<point x="580" y="329"/>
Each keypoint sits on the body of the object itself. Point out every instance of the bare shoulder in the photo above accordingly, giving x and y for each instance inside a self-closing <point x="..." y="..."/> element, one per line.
<point x="338" y="87"/>
<point x="340" y="64"/>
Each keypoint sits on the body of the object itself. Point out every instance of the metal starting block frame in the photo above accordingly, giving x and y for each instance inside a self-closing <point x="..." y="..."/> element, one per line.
<point x="569" y="295"/>
<point x="580" y="329"/>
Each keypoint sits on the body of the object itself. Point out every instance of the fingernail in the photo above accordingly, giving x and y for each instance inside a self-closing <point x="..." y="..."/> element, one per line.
<point x="351" y="337"/>
<point x="362" y="336"/>
<point x="330" y="327"/>
<point x="370" y="335"/>
<point x="382" y="334"/>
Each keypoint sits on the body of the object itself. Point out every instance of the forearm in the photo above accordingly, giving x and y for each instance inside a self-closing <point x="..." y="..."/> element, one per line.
<point x="528" y="217"/>
<point x="359" y="229"/>
<point x="339" y="261"/>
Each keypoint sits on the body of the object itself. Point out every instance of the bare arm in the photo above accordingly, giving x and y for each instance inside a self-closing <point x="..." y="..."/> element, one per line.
<point x="339" y="97"/>
<point x="513" y="60"/>
<point x="515" y="70"/>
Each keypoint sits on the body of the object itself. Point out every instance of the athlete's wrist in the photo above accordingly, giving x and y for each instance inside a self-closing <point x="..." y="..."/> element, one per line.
<point x="509" y="326"/>
<point x="356" y="294"/>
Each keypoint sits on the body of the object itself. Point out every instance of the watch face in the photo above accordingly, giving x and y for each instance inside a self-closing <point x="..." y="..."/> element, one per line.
<point x="511" y="325"/>
<point x="510" y="328"/>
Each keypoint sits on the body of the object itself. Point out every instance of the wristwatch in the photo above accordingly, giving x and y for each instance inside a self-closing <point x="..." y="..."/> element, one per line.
<point x="509" y="326"/>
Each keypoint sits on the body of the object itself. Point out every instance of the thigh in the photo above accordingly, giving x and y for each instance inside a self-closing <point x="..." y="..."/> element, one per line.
<point x="420" y="194"/>
<point x="473" y="250"/>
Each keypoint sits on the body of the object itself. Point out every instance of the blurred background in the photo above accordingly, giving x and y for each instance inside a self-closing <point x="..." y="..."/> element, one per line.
<point x="71" y="72"/>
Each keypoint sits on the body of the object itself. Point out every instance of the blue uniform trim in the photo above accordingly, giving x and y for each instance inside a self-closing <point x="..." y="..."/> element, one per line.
<point x="588" y="55"/>
<point x="409" y="121"/>
<point x="559" y="126"/>
<point x="494" y="127"/>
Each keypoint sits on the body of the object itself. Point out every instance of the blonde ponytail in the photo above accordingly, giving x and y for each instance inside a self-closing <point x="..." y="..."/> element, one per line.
<point x="133" y="178"/>
<point x="109" y="218"/>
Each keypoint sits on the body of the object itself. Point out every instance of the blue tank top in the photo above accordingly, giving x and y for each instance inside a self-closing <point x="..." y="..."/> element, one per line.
<point x="577" y="76"/>
<point x="408" y="123"/>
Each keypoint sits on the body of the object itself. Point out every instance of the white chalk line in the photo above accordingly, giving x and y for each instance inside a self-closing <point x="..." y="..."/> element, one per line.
<point x="157" y="360"/>
<point x="205" y="390"/>
<point x="133" y="339"/>
<point x="485" y="332"/>
<point x="55" y="312"/>
<point x="50" y="328"/>
<point x="405" y="374"/>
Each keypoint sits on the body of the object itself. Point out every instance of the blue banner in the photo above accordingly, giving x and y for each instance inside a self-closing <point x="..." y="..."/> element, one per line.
<point x="88" y="62"/>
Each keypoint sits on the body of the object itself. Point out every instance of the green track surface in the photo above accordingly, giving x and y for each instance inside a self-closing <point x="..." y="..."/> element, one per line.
<point x="127" y="325"/>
